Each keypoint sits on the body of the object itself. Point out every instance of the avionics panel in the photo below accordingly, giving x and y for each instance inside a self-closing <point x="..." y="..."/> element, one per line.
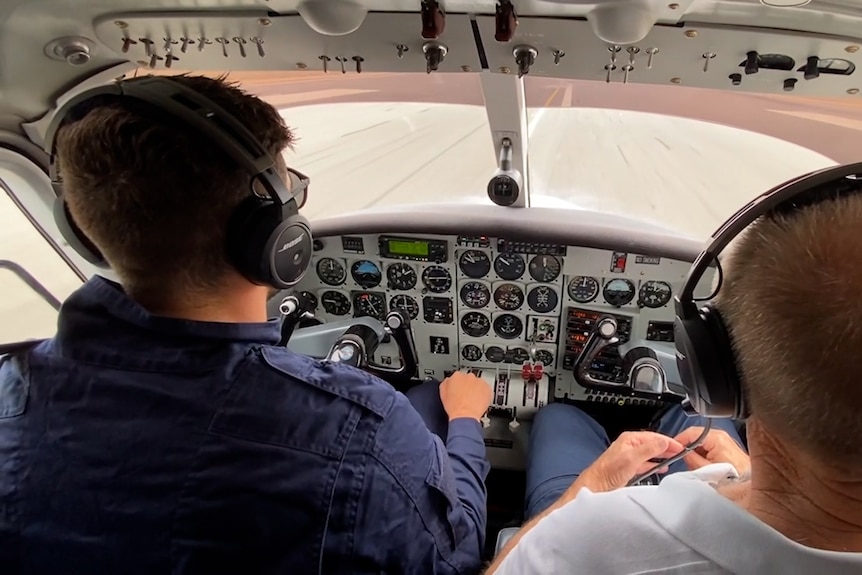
<point x="485" y="303"/>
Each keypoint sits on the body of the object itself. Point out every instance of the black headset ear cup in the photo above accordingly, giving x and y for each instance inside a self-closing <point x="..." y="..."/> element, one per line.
<point x="74" y="236"/>
<point x="707" y="364"/>
<point x="266" y="248"/>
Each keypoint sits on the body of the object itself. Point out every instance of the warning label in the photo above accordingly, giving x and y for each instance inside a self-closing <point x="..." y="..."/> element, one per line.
<point x="649" y="260"/>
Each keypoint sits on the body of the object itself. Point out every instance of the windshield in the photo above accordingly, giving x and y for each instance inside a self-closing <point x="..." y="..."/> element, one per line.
<point x="682" y="157"/>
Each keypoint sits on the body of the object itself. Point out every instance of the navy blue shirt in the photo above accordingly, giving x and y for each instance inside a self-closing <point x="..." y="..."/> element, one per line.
<point x="137" y="444"/>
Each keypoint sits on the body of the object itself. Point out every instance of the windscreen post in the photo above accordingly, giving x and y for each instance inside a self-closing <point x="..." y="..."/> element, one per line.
<point x="506" y="106"/>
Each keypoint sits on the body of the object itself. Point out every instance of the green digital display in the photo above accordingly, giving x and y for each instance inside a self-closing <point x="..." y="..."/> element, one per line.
<point x="408" y="248"/>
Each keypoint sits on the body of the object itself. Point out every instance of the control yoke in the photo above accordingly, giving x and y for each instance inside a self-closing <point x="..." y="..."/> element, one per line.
<point x="357" y="344"/>
<point x="643" y="374"/>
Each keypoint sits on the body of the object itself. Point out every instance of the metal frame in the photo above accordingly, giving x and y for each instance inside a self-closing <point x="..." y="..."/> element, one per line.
<point x="506" y="106"/>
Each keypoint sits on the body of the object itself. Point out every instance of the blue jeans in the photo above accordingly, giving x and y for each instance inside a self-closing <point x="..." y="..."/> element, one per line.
<point x="425" y="398"/>
<point x="565" y="441"/>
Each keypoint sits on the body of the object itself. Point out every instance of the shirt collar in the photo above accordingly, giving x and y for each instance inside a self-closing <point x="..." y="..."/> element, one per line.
<point x="103" y="305"/>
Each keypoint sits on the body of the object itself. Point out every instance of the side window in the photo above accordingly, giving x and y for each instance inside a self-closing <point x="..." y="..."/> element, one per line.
<point x="34" y="279"/>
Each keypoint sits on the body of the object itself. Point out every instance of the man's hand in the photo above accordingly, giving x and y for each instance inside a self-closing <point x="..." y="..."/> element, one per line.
<point x="718" y="447"/>
<point x="465" y="395"/>
<point x="626" y="458"/>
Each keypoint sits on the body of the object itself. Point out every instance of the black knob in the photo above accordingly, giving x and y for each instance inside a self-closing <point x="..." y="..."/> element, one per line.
<point x="751" y="62"/>
<point x="789" y="84"/>
<point x="735" y="79"/>
<point x="812" y="68"/>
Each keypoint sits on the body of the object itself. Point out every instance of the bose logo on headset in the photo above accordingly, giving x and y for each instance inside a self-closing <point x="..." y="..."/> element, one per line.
<point x="291" y="243"/>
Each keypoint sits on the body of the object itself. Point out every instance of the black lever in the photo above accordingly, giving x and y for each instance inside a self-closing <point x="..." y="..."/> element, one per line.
<point x="604" y="334"/>
<point x="293" y="308"/>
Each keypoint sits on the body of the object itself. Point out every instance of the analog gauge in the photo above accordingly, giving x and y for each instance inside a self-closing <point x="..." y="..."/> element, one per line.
<point x="545" y="356"/>
<point x="509" y="266"/>
<point x="475" y="324"/>
<point x="542" y="299"/>
<point x="619" y="292"/>
<point x="401" y="276"/>
<point x="519" y="355"/>
<point x="508" y="326"/>
<point x="370" y="304"/>
<point x="654" y="294"/>
<point x="545" y="268"/>
<point x="436" y="279"/>
<point x="495" y="354"/>
<point x="405" y="304"/>
<point x="583" y="289"/>
<point x="471" y="352"/>
<point x="309" y="299"/>
<point x="474" y="264"/>
<point x="335" y="302"/>
<point x="475" y="294"/>
<point x="365" y="273"/>
<point x="331" y="272"/>
<point x="508" y="297"/>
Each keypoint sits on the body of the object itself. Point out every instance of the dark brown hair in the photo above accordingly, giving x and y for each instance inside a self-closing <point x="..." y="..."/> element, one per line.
<point x="154" y="195"/>
<point x="791" y="300"/>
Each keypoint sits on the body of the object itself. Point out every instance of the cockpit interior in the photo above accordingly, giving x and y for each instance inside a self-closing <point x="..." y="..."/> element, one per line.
<point x="545" y="303"/>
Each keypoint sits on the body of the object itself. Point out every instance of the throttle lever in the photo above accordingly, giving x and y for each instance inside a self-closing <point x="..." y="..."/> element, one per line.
<point x="604" y="334"/>
<point x="397" y="324"/>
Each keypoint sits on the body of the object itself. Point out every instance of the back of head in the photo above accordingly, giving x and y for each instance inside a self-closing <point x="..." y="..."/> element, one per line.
<point x="154" y="195"/>
<point x="791" y="301"/>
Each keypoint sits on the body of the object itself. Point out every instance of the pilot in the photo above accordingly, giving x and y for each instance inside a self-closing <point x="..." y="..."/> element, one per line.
<point x="790" y="302"/>
<point x="162" y="430"/>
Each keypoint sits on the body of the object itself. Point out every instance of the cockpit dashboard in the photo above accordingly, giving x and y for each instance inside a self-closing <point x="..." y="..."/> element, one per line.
<point x="488" y="304"/>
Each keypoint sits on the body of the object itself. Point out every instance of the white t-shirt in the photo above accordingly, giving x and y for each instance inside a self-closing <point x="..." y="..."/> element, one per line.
<point x="682" y="525"/>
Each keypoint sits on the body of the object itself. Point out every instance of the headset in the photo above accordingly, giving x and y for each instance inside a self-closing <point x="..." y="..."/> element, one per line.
<point x="268" y="241"/>
<point x="705" y="357"/>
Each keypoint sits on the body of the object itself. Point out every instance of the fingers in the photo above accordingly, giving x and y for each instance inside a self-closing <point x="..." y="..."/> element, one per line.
<point x="653" y="445"/>
<point x="695" y="461"/>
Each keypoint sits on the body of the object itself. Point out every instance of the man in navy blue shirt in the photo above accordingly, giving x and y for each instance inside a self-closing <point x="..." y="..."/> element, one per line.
<point x="163" y="430"/>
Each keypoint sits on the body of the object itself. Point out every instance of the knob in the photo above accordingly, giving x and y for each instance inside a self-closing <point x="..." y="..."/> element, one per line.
<point x="751" y="62"/>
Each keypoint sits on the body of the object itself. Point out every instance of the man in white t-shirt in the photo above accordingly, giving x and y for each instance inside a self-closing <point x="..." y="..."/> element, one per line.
<point x="792" y="301"/>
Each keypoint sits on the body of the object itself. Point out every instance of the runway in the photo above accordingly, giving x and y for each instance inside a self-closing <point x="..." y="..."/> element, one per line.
<point x="682" y="157"/>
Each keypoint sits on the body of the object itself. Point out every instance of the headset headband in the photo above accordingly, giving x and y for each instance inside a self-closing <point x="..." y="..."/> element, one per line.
<point x="200" y="113"/>
<point x="806" y="189"/>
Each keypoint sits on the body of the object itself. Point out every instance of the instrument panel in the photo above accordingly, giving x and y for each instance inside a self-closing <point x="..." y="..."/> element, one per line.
<point x="481" y="302"/>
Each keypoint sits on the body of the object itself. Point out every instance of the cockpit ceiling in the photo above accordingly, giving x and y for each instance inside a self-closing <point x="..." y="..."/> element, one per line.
<point x="53" y="45"/>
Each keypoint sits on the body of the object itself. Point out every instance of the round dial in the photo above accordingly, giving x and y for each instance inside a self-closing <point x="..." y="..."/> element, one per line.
<point x="401" y="276"/>
<point x="474" y="264"/>
<point x="619" y="292"/>
<point x="508" y="297"/>
<point x="519" y="355"/>
<point x="495" y="354"/>
<point x="436" y="279"/>
<point x="369" y="304"/>
<point x="475" y="324"/>
<point x="508" y="326"/>
<point x="365" y="273"/>
<point x="542" y="299"/>
<point x="583" y="289"/>
<point x="475" y="294"/>
<point x="545" y="268"/>
<point x="471" y="352"/>
<point x="654" y="294"/>
<point x="509" y="266"/>
<point x="406" y="304"/>
<point x="335" y="302"/>
<point x="331" y="272"/>
<point x="545" y="356"/>
<point x="310" y="298"/>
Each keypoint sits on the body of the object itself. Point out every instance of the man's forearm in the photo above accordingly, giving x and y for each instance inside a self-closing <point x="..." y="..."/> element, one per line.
<point x="466" y="448"/>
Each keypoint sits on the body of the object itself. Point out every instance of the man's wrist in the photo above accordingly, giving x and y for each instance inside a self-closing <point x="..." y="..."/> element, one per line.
<point x="454" y="416"/>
